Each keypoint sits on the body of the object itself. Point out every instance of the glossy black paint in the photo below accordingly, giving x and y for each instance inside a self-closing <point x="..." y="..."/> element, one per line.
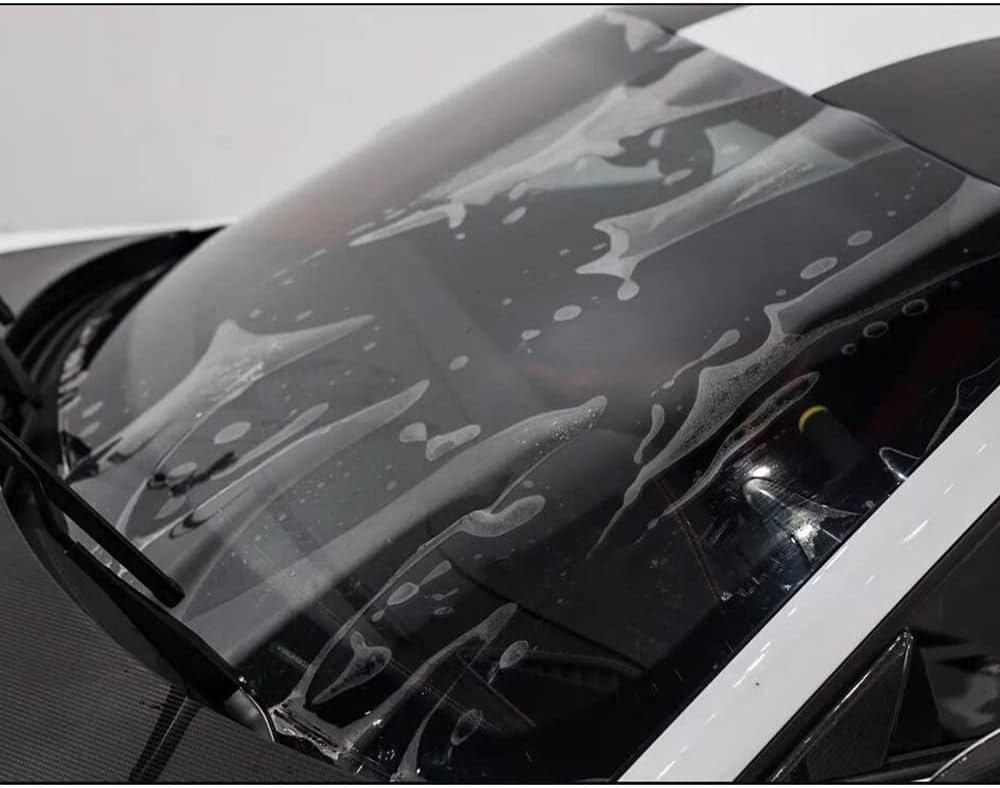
<point x="628" y="583"/>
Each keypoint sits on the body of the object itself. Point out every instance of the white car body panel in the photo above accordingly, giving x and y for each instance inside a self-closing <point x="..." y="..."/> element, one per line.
<point x="814" y="47"/>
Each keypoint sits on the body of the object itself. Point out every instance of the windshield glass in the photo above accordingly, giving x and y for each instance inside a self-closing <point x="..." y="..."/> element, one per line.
<point x="483" y="452"/>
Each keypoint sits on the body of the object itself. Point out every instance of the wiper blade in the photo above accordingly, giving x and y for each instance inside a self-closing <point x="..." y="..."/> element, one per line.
<point x="13" y="379"/>
<point x="52" y="490"/>
<point x="199" y="665"/>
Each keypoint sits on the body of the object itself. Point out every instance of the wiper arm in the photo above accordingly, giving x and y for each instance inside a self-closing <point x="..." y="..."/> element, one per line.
<point x="52" y="490"/>
<point x="198" y="663"/>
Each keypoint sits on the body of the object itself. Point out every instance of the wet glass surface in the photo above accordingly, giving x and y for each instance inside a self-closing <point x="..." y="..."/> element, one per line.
<point x="483" y="452"/>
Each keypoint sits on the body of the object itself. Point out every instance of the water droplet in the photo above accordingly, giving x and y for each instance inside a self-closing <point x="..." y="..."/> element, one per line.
<point x="565" y="313"/>
<point x="917" y="306"/>
<point x="413" y="433"/>
<point x="860" y="238"/>
<point x="518" y="191"/>
<point x="875" y="329"/>
<point x="440" y="445"/>
<point x="515" y="215"/>
<point x="513" y="654"/>
<point x="458" y="363"/>
<point x="818" y="267"/>
<point x="628" y="290"/>
<point x="404" y="593"/>
<point x="530" y="334"/>
<point x="182" y="471"/>
<point x="849" y="349"/>
<point x="231" y="432"/>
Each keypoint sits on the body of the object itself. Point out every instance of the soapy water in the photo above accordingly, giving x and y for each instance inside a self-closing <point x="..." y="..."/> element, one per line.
<point x="294" y="718"/>
<point x="218" y="522"/>
<point x="483" y="523"/>
<point x="234" y="360"/>
<point x="565" y="313"/>
<point x="789" y="163"/>
<point x="492" y="522"/>
<point x="772" y="408"/>
<point x="724" y="388"/>
<point x="238" y="622"/>
<point x="819" y="267"/>
<point x="365" y="664"/>
<point x="727" y="340"/>
<point x="656" y="420"/>
<point x="440" y="445"/>
<point x="701" y="82"/>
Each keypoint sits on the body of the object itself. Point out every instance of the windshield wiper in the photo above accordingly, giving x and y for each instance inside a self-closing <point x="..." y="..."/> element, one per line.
<point x="198" y="664"/>
<point x="51" y="490"/>
<point x="14" y="381"/>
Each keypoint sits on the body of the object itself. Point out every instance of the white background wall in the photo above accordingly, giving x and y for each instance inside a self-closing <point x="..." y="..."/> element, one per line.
<point x="121" y="115"/>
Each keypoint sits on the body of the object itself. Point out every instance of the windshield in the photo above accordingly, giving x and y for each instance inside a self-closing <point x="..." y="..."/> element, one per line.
<point x="483" y="452"/>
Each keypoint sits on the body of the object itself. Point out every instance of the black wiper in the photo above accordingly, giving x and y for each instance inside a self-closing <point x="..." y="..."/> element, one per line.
<point x="200" y="666"/>
<point x="196" y="661"/>
<point x="50" y="490"/>
<point x="14" y="381"/>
